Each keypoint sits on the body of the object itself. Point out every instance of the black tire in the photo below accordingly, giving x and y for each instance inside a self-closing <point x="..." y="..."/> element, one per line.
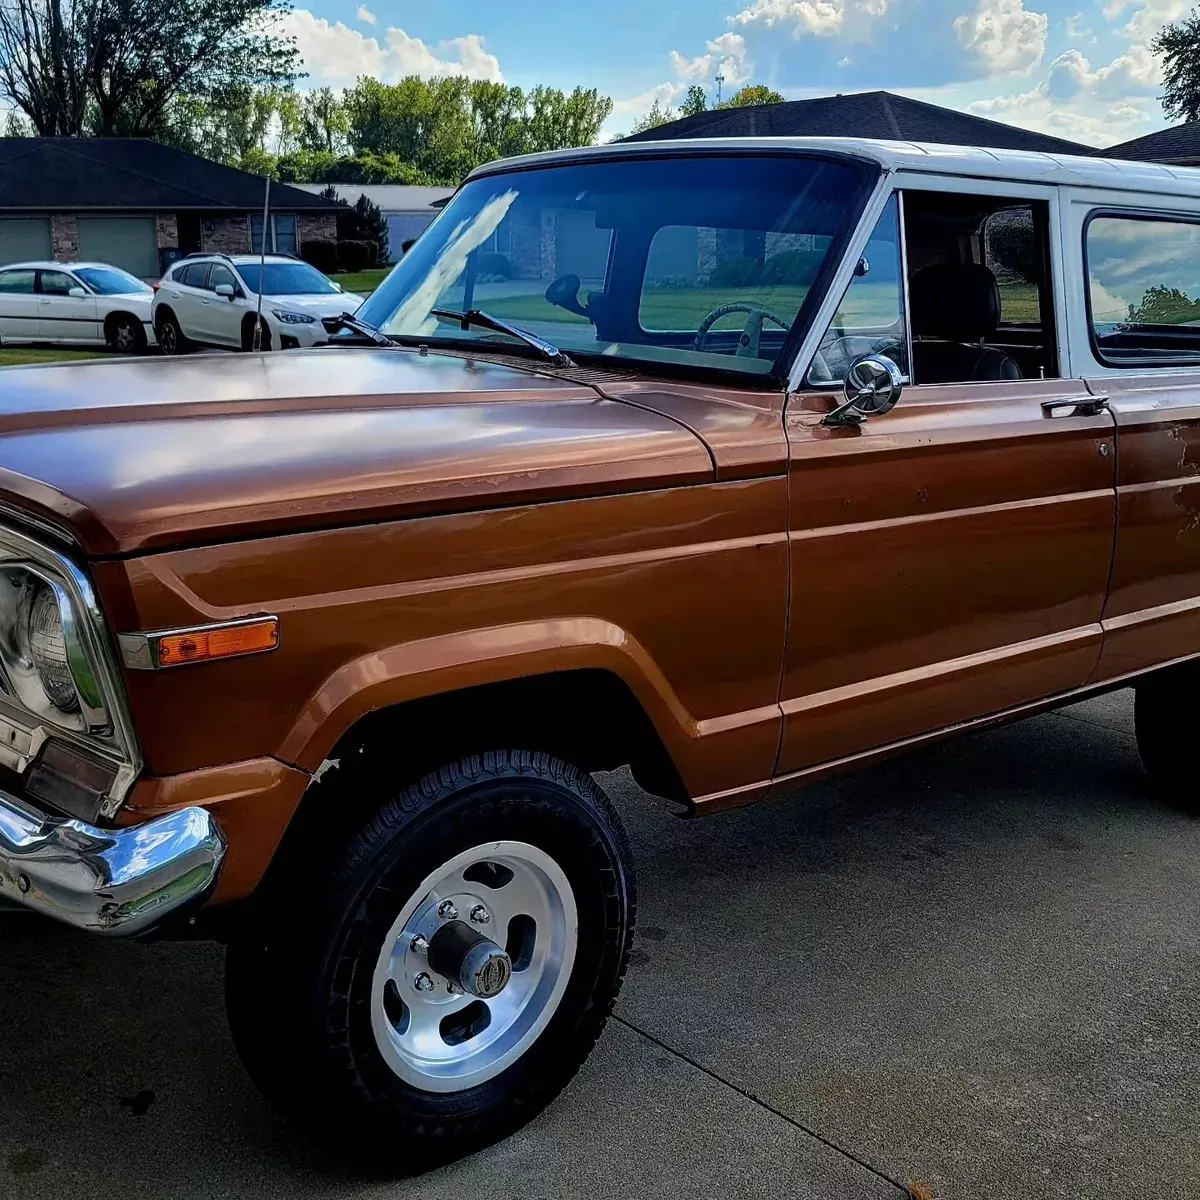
<point x="171" y="339"/>
<point x="248" y="335"/>
<point x="125" y="334"/>
<point x="298" y="985"/>
<point x="1165" y="714"/>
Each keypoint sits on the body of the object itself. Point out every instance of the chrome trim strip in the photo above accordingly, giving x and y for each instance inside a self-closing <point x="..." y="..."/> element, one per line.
<point x="139" y="651"/>
<point x="110" y="881"/>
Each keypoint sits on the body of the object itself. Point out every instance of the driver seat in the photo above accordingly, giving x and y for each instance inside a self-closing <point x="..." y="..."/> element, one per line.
<point x="958" y="304"/>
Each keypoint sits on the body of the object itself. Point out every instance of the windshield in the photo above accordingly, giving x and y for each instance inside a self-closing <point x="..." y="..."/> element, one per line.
<point x="693" y="261"/>
<point x="287" y="279"/>
<point x="111" y="281"/>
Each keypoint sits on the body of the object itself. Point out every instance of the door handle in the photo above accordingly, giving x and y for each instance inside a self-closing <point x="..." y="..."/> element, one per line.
<point x="1088" y="406"/>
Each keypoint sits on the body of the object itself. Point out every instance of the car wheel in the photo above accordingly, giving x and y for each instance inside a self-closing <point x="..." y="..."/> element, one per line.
<point x="1165" y="714"/>
<point x="126" y="335"/>
<point x="248" y="335"/>
<point x="446" y="980"/>
<point x="170" y="336"/>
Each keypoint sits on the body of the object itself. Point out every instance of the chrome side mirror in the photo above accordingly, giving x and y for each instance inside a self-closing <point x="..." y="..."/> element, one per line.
<point x="872" y="387"/>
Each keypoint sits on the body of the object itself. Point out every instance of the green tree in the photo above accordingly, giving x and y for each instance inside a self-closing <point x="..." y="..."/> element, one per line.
<point x="695" y="102"/>
<point x="323" y="121"/>
<point x="658" y="115"/>
<point x="1178" y="46"/>
<point x="754" y="93"/>
<point x="1162" y="305"/>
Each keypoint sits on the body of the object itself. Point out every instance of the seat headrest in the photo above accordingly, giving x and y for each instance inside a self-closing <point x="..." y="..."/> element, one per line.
<point x="956" y="301"/>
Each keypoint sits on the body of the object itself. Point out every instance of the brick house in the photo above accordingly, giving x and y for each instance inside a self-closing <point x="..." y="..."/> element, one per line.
<point x="135" y="203"/>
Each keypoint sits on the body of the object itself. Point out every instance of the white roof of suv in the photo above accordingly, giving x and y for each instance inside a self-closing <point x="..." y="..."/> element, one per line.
<point x="928" y="158"/>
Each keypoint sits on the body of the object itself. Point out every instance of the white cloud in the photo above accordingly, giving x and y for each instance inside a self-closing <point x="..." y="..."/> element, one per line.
<point x="844" y="62"/>
<point x="1005" y="35"/>
<point x="1077" y="118"/>
<point x="1135" y="71"/>
<point x="365" y="14"/>
<point x="727" y="52"/>
<point x="334" y="53"/>
<point x="821" y="18"/>
<point x="1148" y="18"/>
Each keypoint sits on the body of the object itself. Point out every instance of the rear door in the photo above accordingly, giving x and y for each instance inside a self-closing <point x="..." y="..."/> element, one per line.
<point x="18" y="305"/>
<point x="63" y="317"/>
<point x="188" y="297"/>
<point x="1139" y="343"/>
<point x="949" y="559"/>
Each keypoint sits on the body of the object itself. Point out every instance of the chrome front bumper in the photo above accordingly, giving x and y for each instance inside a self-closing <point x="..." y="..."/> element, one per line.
<point x="112" y="881"/>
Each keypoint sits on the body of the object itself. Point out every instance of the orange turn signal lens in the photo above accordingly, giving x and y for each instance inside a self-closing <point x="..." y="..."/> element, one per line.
<point x="204" y="645"/>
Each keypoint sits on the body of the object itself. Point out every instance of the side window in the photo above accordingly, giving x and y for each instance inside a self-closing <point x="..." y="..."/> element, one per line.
<point x="194" y="275"/>
<point x="870" y="318"/>
<point x="55" y="283"/>
<point x="1143" y="289"/>
<point x="16" y="283"/>
<point x="1012" y="251"/>
<point x="220" y="274"/>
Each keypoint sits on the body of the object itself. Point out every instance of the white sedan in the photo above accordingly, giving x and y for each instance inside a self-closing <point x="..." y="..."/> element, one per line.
<point x="75" y="304"/>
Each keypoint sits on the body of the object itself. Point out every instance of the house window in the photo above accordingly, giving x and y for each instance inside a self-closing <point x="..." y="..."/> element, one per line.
<point x="283" y="238"/>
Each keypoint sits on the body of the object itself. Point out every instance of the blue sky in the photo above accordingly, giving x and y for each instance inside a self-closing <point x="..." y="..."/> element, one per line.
<point x="1080" y="69"/>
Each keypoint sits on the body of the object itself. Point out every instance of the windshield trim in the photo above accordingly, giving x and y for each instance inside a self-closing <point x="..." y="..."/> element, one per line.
<point x="868" y="171"/>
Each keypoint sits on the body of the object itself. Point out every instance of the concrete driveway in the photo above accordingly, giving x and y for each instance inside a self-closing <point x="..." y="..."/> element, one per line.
<point x="974" y="967"/>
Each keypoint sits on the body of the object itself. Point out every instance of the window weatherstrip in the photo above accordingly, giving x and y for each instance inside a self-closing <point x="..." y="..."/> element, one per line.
<point x="908" y="335"/>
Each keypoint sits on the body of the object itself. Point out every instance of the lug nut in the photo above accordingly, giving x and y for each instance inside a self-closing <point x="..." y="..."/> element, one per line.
<point x="454" y="989"/>
<point x="423" y="983"/>
<point x="447" y="911"/>
<point x="480" y="915"/>
<point x="419" y="945"/>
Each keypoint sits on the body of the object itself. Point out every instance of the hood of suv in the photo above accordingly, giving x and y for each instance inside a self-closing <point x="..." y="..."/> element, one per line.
<point x="141" y="454"/>
<point x="317" y="306"/>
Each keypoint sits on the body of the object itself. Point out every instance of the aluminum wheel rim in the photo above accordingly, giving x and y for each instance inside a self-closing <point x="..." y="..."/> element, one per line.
<point x="166" y="337"/>
<point x="125" y="336"/>
<point x="440" y="1041"/>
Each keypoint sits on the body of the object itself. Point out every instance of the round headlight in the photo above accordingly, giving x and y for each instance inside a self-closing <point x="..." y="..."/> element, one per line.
<point x="48" y="649"/>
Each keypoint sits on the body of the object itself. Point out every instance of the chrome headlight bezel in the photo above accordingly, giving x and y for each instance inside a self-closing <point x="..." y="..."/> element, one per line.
<point x="102" y="725"/>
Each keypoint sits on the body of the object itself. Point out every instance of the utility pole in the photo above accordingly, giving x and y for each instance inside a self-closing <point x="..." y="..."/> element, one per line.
<point x="719" y="80"/>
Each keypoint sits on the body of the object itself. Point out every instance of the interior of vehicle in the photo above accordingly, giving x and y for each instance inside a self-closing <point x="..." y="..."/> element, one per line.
<point x="978" y="293"/>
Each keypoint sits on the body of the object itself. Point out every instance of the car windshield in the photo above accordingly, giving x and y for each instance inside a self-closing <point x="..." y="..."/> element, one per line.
<point x="286" y="279"/>
<point x="111" y="281"/>
<point x="682" y="260"/>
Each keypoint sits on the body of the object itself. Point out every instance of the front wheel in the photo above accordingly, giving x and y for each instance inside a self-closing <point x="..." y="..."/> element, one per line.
<point x="448" y="978"/>
<point x="264" y="335"/>
<point x="126" y="335"/>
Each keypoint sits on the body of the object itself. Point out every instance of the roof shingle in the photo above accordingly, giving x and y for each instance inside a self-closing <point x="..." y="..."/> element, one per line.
<point x="1180" y="144"/>
<point x="861" y="114"/>
<point x="130" y="173"/>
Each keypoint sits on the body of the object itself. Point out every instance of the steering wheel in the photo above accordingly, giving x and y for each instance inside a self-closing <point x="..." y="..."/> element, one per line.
<point x="751" y="334"/>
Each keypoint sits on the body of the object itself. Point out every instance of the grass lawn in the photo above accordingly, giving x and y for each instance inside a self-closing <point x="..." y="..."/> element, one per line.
<point x="13" y="356"/>
<point x="362" y="282"/>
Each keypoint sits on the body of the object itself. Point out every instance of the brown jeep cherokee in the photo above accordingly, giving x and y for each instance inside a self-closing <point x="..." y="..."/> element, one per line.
<point x="735" y="462"/>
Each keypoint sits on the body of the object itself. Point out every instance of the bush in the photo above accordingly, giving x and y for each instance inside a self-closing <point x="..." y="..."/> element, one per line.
<point x="354" y="255"/>
<point x="736" y="272"/>
<point x="320" y="254"/>
<point x="494" y="264"/>
<point x="798" y="267"/>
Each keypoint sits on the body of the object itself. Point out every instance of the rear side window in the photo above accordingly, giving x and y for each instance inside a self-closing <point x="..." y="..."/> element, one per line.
<point x="193" y="274"/>
<point x="1144" y="289"/>
<point x="19" y="283"/>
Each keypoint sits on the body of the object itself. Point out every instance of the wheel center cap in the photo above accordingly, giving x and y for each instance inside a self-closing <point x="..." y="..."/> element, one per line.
<point x="466" y="957"/>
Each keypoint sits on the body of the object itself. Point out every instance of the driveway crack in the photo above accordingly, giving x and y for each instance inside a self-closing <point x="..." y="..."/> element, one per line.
<point x="699" y="1066"/>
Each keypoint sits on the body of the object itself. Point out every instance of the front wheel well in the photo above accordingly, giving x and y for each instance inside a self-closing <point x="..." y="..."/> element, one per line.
<point x="590" y="718"/>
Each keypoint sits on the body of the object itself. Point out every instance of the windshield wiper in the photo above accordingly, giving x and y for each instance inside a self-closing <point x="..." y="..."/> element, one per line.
<point x="346" y="321"/>
<point x="474" y="316"/>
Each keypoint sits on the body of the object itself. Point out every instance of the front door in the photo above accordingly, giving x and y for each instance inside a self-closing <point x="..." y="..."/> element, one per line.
<point x="950" y="558"/>
<point x="63" y="317"/>
<point x="218" y="318"/>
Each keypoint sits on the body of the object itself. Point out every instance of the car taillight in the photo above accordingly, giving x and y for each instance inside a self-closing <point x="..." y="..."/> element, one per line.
<point x="156" y="286"/>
